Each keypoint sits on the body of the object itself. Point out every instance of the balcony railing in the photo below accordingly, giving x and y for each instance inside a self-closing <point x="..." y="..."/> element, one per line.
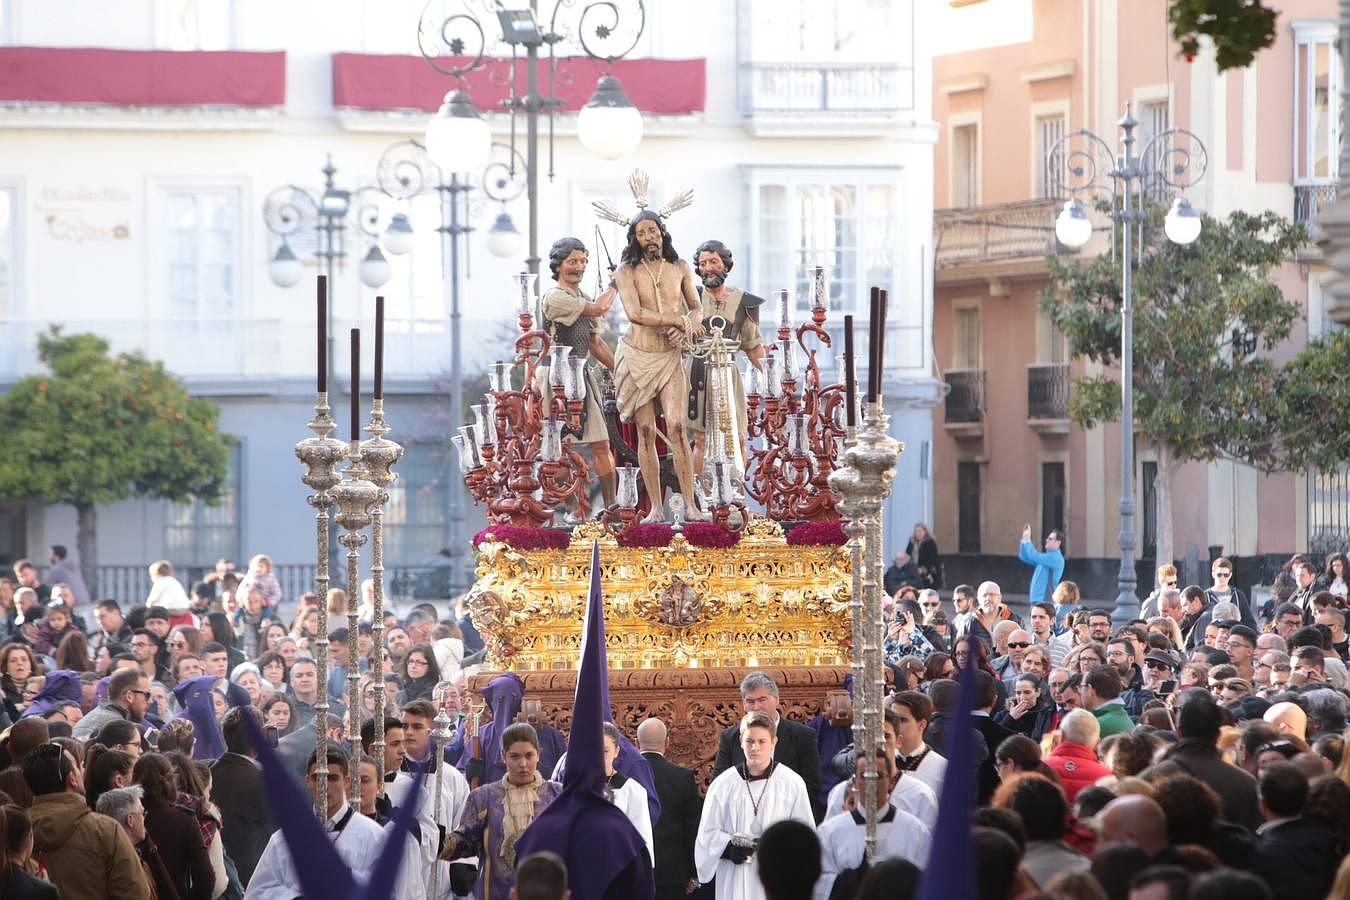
<point x="965" y="400"/>
<point x="1311" y="199"/>
<point x="827" y="88"/>
<point x="1048" y="391"/>
<point x="1007" y="231"/>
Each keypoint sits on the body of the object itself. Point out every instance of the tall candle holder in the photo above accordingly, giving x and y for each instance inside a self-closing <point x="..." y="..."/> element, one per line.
<point x="378" y="455"/>
<point x="354" y="496"/>
<point x="863" y="484"/>
<point x="321" y="455"/>
<point x="517" y="458"/>
<point x="799" y="419"/>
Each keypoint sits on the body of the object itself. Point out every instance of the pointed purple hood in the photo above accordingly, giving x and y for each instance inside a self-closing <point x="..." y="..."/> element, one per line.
<point x="600" y="846"/>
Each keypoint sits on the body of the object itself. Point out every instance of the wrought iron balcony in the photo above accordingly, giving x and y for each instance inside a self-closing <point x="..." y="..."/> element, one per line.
<point x="1311" y="199"/>
<point x="825" y="89"/>
<point x="1048" y="397"/>
<point x="1004" y="232"/>
<point x="963" y="409"/>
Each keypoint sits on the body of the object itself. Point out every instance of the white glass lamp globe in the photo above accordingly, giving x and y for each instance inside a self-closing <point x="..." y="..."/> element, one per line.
<point x="284" y="269"/>
<point x="398" y="237"/>
<point x="609" y="125"/>
<point x="458" y="139"/>
<point x="1182" y="223"/>
<point x="375" y="270"/>
<point x="1073" y="227"/>
<point x="503" y="238"/>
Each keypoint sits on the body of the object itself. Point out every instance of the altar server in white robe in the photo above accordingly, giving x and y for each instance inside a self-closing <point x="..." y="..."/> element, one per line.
<point x="843" y="837"/>
<point x="626" y="793"/>
<point x="909" y="793"/>
<point x="741" y="803"/>
<point x="357" y="839"/>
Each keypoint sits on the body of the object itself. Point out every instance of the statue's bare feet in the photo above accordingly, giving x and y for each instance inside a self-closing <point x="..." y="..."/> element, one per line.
<point x="692" y="513"/>
<point x="656" y="515"/>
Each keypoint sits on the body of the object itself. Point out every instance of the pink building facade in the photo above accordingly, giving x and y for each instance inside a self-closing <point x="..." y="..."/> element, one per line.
<point x="1005" y="452"/>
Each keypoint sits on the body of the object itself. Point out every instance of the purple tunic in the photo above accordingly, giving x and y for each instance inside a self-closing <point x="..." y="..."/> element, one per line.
<point x="480" y="833"/>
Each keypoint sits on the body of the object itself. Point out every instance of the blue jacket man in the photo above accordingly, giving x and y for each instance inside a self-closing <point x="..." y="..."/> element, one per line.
<point x="1049" y="564"/>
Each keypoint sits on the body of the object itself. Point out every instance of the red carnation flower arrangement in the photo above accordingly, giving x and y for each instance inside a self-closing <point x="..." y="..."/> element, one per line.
<point x="710" y="535"/>
<point x="520" y="537"/>
<point x="653" y="534"/>
<point x="829" y="533"/>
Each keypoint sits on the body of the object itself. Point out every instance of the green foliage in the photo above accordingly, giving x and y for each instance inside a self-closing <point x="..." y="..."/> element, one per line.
<point x="1315" y="390"/>
<point x="1239" y="28"/>
<point x="1193" y="390"/>
<point x="101" y="428"/>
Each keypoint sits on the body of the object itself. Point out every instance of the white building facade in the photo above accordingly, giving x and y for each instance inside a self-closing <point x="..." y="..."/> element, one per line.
<point x="132" y="213"/>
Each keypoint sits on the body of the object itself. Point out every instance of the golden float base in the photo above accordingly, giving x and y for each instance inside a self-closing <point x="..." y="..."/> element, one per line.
<point x="759" y="604"/>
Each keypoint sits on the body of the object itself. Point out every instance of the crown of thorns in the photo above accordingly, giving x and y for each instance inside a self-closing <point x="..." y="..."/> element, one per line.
<point x="638" y="183"/>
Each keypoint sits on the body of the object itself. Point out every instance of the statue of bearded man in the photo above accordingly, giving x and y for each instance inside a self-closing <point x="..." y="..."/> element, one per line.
<point x="656" y="289"/>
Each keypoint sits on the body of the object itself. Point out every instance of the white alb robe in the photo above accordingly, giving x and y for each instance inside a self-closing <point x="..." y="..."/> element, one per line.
<point x="930" y="771"/>
<point x="842" y="841"/>
<point x="729" y="810"/>
<point x="454" y="794"/>
<point x="631" y="797"/>
<point x="909" y="795"/>
<point x="358" y="845"/>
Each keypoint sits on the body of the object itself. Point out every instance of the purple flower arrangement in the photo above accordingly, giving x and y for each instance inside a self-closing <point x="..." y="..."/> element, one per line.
<point x="710" y="535"/>
<point x="654" y="534"/>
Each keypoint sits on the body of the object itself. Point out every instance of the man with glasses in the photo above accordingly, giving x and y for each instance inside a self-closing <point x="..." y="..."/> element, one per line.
<point x="1288" y="619"/>
<point x="1009" y="666"/>
<point x="145" y="647"/>
<point x="930" y="603"/>
<point x="1334" y="619"/>
<point x="1309" y="666"/>
<point x="1265" y="666"/>
<point x="1099" y="626"/>
<point x="128" y="698"/>
<point x="1223" y="591"/>
<point x="963" y="608"/>
<point x="1241" y="647"/>
<point x="88" y="856"/>
<point x="1167" y="580"/>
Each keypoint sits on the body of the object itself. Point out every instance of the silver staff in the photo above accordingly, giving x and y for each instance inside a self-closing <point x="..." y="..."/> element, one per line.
<point x="379" y="455"/>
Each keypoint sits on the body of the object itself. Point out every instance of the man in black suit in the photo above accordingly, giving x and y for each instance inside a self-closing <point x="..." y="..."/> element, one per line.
<point x="796" y="743"/>
<point x="986" y="695"/>
<point x="1296" y="856"/>
<point x="237" y="789"/>
<point x="674" y="832"/>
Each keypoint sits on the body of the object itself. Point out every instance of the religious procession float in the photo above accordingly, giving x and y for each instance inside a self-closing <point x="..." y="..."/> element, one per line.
<point x="739" y="512"/>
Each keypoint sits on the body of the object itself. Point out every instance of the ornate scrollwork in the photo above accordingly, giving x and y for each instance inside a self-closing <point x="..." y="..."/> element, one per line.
<point x="1080" y="162"/>
<point x="1176" y="158"/>
<point x="601" y="28"/>
<point x="288" y="209"/>
<point x="460" y="36"/>
<point x="405" y="170"/>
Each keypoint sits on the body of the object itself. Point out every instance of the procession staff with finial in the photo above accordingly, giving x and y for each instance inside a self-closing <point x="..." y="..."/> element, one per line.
<point x="656" y="289"/>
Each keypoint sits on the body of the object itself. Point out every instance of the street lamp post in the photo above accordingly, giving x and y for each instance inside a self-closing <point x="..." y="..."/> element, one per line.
<point x="288" y="211"/>
<point x="406" y="171"/>
<point x="609" y="125"/>
<point x="1083" y="163"/>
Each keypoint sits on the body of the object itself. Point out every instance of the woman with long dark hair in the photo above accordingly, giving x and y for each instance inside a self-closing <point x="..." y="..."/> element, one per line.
<point x="73" y="653"/>
<point x="194" y="789"/>
<point x="104" y="770"/>
<point x="418" y="674"/>
<point x="187" y="872"/>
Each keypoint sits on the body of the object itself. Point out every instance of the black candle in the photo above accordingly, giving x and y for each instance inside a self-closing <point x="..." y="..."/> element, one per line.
<point x="883" y="302"/>
<point x="850" y="394"/>
<point x="873" y="318"/>
<point x="356" y="384"/>
<point x="379" y="347"/>
<point x="323" y="334"/>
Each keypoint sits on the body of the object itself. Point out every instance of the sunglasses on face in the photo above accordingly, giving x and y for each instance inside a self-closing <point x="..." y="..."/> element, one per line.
<point x="1018" y="645"/>
<point x="1157" y="665"/>
<point x="1170" y="584"/>
<point x="1222" y="573"/>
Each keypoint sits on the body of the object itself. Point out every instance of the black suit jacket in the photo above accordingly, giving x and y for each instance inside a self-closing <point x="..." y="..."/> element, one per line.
<point x="994" y="734"/>
<point x="796" y="749"/>
<point x="674" y="832"/>
<point x="245" y="818"/>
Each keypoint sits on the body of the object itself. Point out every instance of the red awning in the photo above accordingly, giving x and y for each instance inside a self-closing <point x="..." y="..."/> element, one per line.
<point x="669" y="87"/>
<point x="79" y="75"/>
